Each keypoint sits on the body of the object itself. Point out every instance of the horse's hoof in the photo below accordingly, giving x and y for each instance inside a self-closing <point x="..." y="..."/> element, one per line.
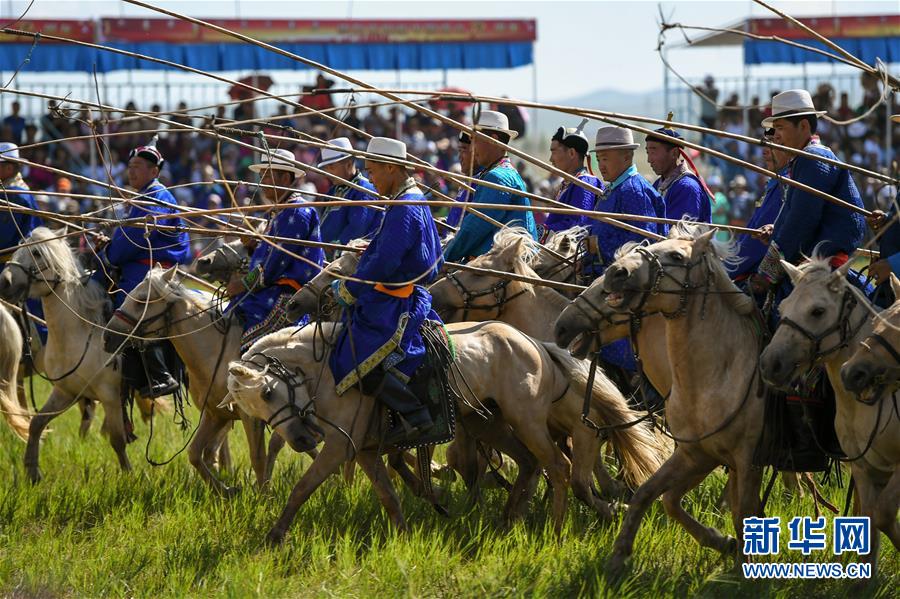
<point x="275" y="538"/>
<point x="729" y="546"/>
<point x="229" y="492"/>
<point x="34" y="475"/>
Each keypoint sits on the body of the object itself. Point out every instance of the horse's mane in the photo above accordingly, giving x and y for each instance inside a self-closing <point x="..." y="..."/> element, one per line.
<point x="510" y="236"/>
<point x="572" y="235"/>
<point x="89" y="299"/>
<point x="177" y="290"/>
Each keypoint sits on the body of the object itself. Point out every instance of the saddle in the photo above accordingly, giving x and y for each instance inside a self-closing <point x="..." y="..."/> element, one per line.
<point x="431" y="383"/>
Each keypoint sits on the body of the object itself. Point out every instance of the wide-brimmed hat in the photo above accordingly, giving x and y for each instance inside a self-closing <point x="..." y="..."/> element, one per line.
<point x="895" y="118"/>
<point x="332" y="155"/>
<point x="614" y="138"/>
<point x="794" y="102"/>
<point x="8" y="150"/>
<point x="386" y="150"/>
<point x="278" y="160"/>
<point x="491" y="120"/>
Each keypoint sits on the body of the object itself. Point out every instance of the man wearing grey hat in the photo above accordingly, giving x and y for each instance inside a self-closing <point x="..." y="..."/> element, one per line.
<point x="475" y="235"/>
<point x="15" y="226"/>
<point x="342" y="223"/>
<point x="381" y="347"/>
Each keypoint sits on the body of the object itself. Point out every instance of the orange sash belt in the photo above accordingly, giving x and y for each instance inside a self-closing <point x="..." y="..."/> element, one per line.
<point x="289" y="283"/>
<point x="401" y="292"/>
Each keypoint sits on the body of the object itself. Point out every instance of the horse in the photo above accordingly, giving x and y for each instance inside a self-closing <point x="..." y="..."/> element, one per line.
<point x="563" y="416"/>
<point x="825" y="321"/>
<point x="589" y="322"/>
<point x="715" y="408"/>
<point x="15" y="411"/>
<point x="221" y="263"/>
<point x="75" y="362"/>
<point x="160" y="307"/>
<point x="466" y="295"/>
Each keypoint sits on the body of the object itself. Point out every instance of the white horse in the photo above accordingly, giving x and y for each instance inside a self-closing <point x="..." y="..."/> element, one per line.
<point x="15" y="410"/>
<point x="74" y="358"/>
<point x="160" y="307"/>
<point x="715" y="409"/>
<point x="824" y="321"/>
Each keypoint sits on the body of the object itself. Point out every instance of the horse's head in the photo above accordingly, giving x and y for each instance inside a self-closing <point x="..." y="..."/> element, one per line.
<point x="589" y="322"/>
<point x="147" y="304"/>
<point x="467" y="295"/>
<point x="222" y="262"/>
<point x="266" y="388"/>
<point x="659" y="276"/>
<point x="875" y="366"/>
<point x="549" y="265"/>
<point x="36" y="269"/>
<point x="815" y="321"/>
<point x="317" y="292"/>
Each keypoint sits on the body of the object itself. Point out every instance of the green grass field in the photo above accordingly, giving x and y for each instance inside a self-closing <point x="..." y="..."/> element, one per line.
<point x="89" y="530"/>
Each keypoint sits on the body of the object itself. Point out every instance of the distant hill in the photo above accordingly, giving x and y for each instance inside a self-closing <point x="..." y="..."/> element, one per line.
<point x="644" y="103"/>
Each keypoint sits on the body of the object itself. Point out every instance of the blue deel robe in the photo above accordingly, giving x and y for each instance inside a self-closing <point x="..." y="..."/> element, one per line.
<point x="134" y="254"/>
<point x="630" y="193"/>
<point x="750" y="250"/>
<point x="273" y="272"/>
<point x="476" y="236"/>
<point x="807" y="220"/>
<point x="14" y="227"/>
<point x="576" y="197"/>
<point x="381" y="328"/>
<point x="686" y="197"/>
<point x="456" y="213"/>
<point x="343" y="223"/>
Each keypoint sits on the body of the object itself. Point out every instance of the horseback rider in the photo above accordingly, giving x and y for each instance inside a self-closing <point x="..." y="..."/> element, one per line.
<point x="133" y="251"/>
<point x="568" y="148"/>
<point x="466" y="161"/>
<point x="277" y="269"/>
<point x="889" y="248"/>
<point x="807" y="222"/>
<point x="380" y="348"/>
<point x="16" y="226"/>
<point x="475" y="235"/>
<point x="751" y="250"/>
<point x="679" y="183"/>
<point x="342" y="223"/>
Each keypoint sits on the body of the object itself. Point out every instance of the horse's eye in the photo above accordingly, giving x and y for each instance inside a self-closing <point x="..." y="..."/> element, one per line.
<point x="676" y="256"/>
<point x="818" y="312"/>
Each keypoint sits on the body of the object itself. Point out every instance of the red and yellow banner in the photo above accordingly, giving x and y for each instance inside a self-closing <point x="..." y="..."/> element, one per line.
<point x="83" y="31"/>
<point x="830" y="27"/>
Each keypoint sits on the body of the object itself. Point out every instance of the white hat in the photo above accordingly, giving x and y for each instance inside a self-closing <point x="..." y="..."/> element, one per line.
<point x="332" y="155"/>
<point x="8" y="150"/>
<point x="895" y="118"/>
<point x="491" y="120"/>
<point x="279" y="160"/>
<point x="387" y="149"/>
<point x="794" y="102"/>
<point x="614" y="138"/>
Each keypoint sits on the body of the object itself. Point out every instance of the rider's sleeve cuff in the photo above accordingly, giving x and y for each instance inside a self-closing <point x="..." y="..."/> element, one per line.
<point x="253" y="279"/>
<point x="344" y="294"/>
<point x="770" y="267"/>
<point x="894" y="261"/>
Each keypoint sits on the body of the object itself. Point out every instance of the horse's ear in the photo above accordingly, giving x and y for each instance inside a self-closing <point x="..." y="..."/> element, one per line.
<point x="895" y="285"/>
<point x="227" y="403"/>
<point x="61" y="232"/>
<point x="792" y="271"/>
<point x="701" y="244"/>
<point x="171" y="274"/>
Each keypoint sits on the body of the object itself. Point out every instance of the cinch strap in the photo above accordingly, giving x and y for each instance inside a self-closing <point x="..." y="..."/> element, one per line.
<point x="401" y="292"/>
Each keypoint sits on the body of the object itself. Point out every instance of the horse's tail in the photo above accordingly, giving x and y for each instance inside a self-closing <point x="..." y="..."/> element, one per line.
<point x="641" y="451"/>
<point x="17" y="416"/>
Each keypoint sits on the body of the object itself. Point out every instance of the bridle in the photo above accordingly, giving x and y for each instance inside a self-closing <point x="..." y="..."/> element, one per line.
<point x="499" y="291"/>
<point x="658" y="273"/>
<point x="33" y="273"/>
<point x="138" y="324"/>
<point x="292" y="380"/>
<point x="841" y="325"/>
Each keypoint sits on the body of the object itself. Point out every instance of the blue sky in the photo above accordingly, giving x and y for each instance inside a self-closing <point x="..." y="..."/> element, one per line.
<point x="581" y="47"/>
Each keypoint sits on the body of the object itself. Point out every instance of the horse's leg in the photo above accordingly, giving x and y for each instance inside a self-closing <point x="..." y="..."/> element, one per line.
<point x="374" y="468"/>
<point x="885" y="513"/>
<point x="608" y="485"/>
<point x="333" y="454"/>
<point x="537" y="439"/>
<point x="867" y="493"/>
<point x="672" y="498"/>
<point x="114" y="427"/>
<point x="255" y="430"/>
<point x="224" y="452"/>
<point x="746" y="503"/>
<point x="276" y="444"/>
<point x="585" y="456"/>
<point x="57" y="403"/>
<point x="810" y="483"/>
<point x="87" y="416"/>
<point x="791" y="482"/>
<point x="671" y="475"/>
<point x="207" y="430"/>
